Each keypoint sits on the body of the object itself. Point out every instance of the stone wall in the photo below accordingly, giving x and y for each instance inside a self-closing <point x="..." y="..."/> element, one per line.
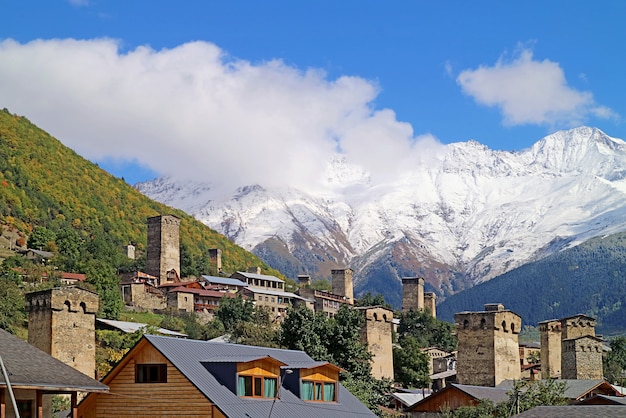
<point x="412" y="293"/>
<point x="550" y="349"/>
<point x="377" y="335"/>
<point x="488" y="349"/>
<point x="582" y="358"/>
<point x="163" y="252"/>
<point x="62" y="323"/>
<point x="342" y="283"/>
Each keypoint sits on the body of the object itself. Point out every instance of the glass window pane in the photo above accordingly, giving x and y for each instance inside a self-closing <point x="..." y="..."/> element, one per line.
<point x="318" y="391"/>
<point x="258" y="384"/>
<point x="269" y="388"/>
<point x="307" y="391"/>
<point x="329" y="392"/>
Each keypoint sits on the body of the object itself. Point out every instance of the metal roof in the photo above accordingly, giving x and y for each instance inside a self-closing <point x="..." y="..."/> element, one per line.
<point x="574" y="388"/>
<point x="225" y="281"/>
<point x="578" y="411"/>
<point x="188" y="357"/>
<point x="260" y="277"/>
<point x="263" y="291"/>
<point x="29" y="367"/>
<point x="130" y="327"/>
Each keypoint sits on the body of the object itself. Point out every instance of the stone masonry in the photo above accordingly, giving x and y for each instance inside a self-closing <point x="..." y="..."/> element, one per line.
<point x="163" y="253"/>
<point x="342" y="283"/>
<point x="376" y="333"/>
<point x="61" y="322"/>
<point x="550" y="332"/>
<point x="488" y="348"/>
<point x="412" y="293"/>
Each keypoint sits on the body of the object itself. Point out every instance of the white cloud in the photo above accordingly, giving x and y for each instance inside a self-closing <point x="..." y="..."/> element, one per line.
<point x="530" y="92"/>
<point x="193" y="112"/>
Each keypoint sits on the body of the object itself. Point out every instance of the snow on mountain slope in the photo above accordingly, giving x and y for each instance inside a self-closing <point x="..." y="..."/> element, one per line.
<point x="477" y="211"/>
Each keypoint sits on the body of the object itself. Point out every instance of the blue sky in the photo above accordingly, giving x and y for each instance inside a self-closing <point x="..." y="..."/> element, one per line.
<point x="250" y="91"/>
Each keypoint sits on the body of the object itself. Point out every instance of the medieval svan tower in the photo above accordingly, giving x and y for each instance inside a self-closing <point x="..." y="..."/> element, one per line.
<point x="488" y="346"/>
<point x="61" y="322"/>
<point x="163" y="253"/>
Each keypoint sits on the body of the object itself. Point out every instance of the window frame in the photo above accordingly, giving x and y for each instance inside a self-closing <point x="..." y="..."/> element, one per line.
<point x="144" y="373"/>
<point x="319" y="384"/>
<point x="257" y="386"/>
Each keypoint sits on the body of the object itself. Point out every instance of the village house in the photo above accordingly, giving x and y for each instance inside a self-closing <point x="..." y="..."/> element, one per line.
<point x="162" y="376"/>
<point x="35" y="376"/>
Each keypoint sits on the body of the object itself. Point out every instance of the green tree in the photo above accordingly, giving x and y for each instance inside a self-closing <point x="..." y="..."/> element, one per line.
<point x="41" y="238"/>
<point x="307" y="331"/>
<point x="345" y="346"/>
<point x="428" y="331"/>
<point x="234" y="310"/>
<point x="526" y="395"/>
<point x="102" y="276"/>
<point x="369" y="299"/>
<point x="261" y="331"/>
<point x="484" y="409"/>
<point x="410" y="364"/>
<point x="12" y="313"/>
<point x="615" y="361"/>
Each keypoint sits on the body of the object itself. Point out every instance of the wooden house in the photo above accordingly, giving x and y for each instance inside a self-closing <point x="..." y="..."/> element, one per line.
<point x="164" y="377"/>
<point x="33" y="376"/>
<point x="453" y="397"/>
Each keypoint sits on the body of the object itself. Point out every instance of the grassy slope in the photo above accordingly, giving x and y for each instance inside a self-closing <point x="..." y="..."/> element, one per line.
<point x="44" y="183"/>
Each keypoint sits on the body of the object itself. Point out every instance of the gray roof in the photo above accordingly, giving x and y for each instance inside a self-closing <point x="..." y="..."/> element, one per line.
<point x="29" y="367"/>
<point x="264" y="291"/>
<point x="570" y="411"/>
<point x="188" y="357"/>
<point x="574" y="389"/>
<point x="261" y="277"/>
<point x="225" y="281"/>
<point x="130" y="327"/>
<point x="484" y="392"/>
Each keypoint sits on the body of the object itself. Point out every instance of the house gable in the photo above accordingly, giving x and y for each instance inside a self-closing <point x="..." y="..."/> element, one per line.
<point x="130" y="397"/>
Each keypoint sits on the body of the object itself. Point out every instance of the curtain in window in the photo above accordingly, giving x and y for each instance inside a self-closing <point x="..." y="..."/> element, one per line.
<point x="241" y="386"/>
<point x="269" y="388"/>
<point x="307" y="391"/>
<point x="318" y="391"/>
<point x="329" y="392"/>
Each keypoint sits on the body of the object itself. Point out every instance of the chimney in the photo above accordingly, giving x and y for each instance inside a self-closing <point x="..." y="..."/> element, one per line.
<point x="254" y="270"/>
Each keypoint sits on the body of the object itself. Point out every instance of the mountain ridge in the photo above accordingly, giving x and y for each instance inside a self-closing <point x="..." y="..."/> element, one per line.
<point x="463" y="215"/>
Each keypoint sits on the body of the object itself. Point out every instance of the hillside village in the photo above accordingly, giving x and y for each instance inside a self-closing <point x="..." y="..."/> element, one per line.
<point x="167" y="374"/>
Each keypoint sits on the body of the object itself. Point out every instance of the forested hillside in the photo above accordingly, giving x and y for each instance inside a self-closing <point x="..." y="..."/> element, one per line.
<point x="588" y="279"/>
<point x="63" y="203"/>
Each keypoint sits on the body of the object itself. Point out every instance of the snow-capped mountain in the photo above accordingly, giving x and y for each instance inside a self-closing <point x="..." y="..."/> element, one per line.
<point x="467" y="215"/>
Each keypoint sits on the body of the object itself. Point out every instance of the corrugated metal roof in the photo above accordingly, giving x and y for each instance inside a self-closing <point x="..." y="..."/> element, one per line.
<point x="130" y="327"/>
<point x="484" y="392"/>
<point x="30" y="367"/>
<point x="570" y="411"/>
<point x="224" y="280"/>
<point x="261" y="277"/>
<point x="187" y="356"/>
<point x="574" y="389"/>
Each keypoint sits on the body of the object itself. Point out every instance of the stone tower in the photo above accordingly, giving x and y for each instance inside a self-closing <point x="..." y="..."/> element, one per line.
<point x="430" y="303"/>
<point x="581" y="350"/>
<point x="163" y="253"/>
<point x="376" y="333"/>
<point x="342" y="283"/>
<point x="215" y="255"/>
<point x="550" y="349"/>
<point x="412" y="293"/>
<point x="62" y="323"/>
<point x="488" y="348"/>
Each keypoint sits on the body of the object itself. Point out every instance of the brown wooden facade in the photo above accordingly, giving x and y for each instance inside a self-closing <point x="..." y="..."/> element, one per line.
<point x="177" y="397"/>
